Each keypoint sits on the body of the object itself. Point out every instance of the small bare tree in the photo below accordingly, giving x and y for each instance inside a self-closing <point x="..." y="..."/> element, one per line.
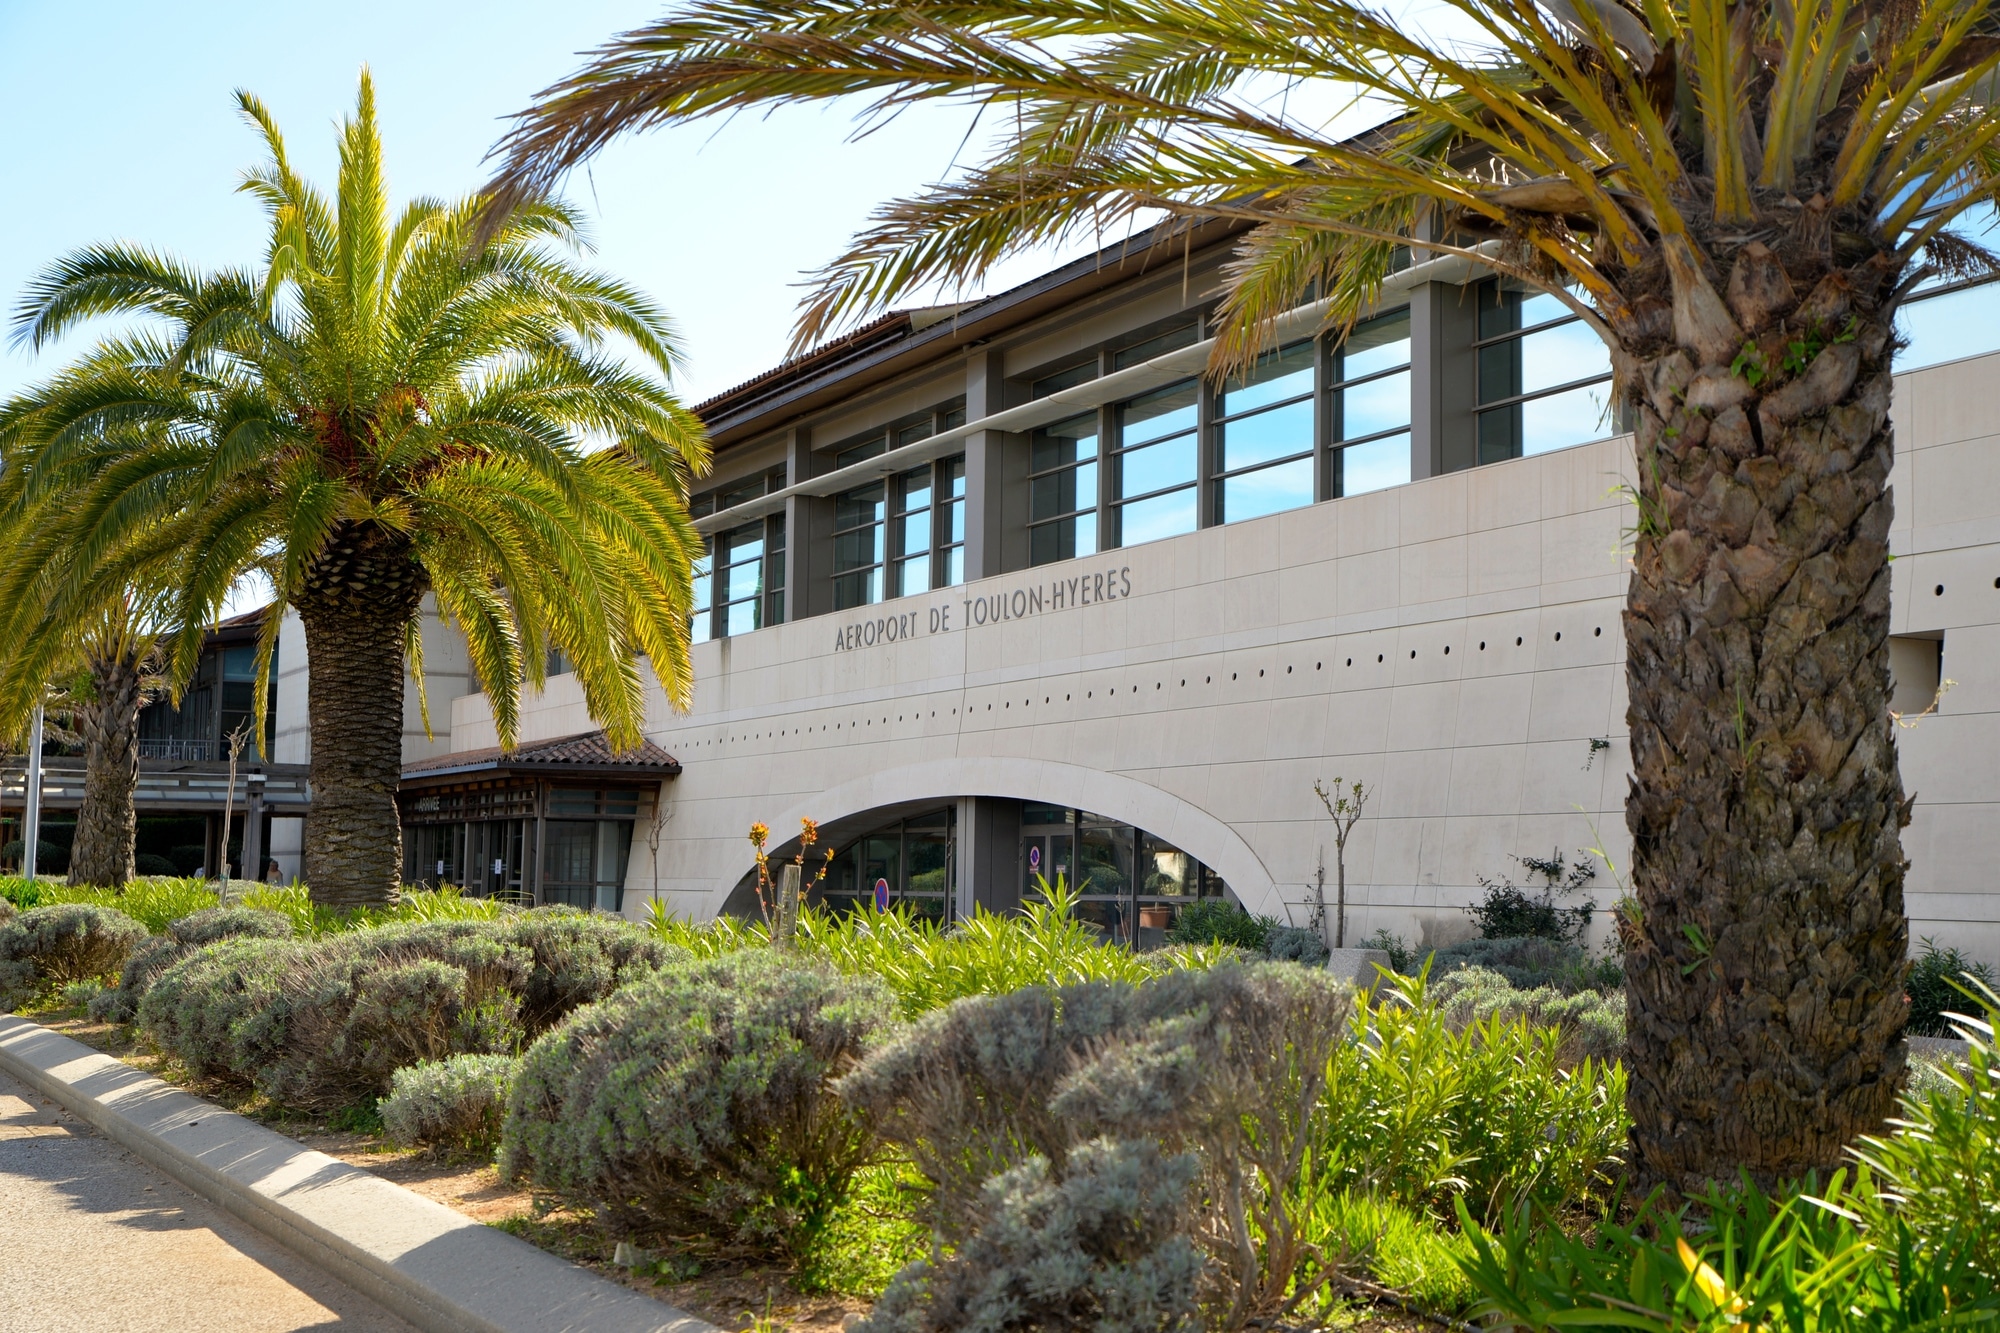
<point x="1344" y="808"/>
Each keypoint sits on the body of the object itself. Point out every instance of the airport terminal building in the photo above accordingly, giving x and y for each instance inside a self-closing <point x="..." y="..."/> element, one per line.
<point x="1008" y="588"/>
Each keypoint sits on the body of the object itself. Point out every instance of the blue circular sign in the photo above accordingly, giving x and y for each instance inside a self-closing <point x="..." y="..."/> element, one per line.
<point x="881" y="895"/>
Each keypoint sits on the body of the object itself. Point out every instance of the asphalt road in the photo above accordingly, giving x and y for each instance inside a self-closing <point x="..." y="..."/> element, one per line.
<point x="96" y="1241"/>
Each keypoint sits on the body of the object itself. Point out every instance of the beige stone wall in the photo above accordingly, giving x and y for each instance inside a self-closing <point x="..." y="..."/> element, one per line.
<point x="1455" y="643"/>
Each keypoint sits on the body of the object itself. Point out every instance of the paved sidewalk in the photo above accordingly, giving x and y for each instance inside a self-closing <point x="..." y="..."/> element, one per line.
<point x="103" y="1243"/>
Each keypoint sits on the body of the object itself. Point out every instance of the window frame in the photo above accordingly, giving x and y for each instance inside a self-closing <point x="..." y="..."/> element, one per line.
<point x="1092" y="505"/>
<point x="1481" y="408"/>
<point x="1111" y="524"/>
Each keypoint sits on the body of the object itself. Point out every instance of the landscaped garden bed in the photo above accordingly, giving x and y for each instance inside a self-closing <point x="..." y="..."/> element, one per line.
<point x="1007" y="1124"/>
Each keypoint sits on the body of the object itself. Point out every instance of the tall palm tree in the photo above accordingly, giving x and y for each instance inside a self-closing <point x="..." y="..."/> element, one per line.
<point x="1735" y="196"/>
<point x="105" y="664"/>
<point x="381" y="412"/>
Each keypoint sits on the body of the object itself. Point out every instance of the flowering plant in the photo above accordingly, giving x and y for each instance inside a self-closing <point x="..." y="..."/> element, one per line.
<point x="767" y="889"/>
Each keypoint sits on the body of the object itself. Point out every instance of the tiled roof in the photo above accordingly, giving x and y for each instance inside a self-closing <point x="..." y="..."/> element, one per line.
<point x="587" y="751"/>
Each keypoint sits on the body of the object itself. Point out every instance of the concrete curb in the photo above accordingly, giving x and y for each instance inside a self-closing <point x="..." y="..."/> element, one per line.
<point x="440" y="1271"/>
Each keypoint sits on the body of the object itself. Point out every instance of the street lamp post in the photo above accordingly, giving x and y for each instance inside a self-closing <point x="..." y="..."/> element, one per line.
<point x="32" y="829"/>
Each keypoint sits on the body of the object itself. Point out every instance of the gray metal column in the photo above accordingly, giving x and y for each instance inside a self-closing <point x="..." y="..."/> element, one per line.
<point x="808" y="536"/>
<point x="989" y="854"/>
<point x="996" y="487"/>
<point x="1444" y="387"/>
<point x="31" y="827"/>
<point x="253" y="826"/>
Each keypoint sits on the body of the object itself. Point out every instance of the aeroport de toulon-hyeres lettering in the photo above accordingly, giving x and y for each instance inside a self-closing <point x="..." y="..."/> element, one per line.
<point x="1078" y="590"/>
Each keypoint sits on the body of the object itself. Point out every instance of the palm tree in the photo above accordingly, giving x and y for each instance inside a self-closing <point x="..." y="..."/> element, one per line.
<point x="105" y="664"/>
<point x="1735" y="196"/>
<point x="382" y="412"/>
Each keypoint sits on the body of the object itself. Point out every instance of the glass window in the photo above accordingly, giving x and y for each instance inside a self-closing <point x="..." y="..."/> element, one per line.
<point x="1129" y="883"/>
<point x="856" y="451"/>
<point x="1946" y="319"/>
<point x="1157" y="344"/>
<point x="912" y="859"/>
<point x="1264" y="436"/>
<point x="1544" y="376"/>
<point x="951" y="521"/>
<point x="774" y="571"/>
<point x="1153" y="471"/>
<point x="1370" y="405"/>
<point x="1062" y="490"/>
<point x="913" y="532"/>
<point x="584" y="862"/>
<point x="857" y="546"/>
<point x="1066" y="378"/>
<point x="739" y="581"/>
<point x="704" y="595"/>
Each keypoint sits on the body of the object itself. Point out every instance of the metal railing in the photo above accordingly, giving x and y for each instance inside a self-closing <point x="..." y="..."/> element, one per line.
<point x="184" y="751"/>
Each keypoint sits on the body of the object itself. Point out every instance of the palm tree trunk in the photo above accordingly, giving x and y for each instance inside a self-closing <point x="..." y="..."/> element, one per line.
<point x="360" y="596"/>
<point x="106" y="825"/>
<point x="1764" y="963"/>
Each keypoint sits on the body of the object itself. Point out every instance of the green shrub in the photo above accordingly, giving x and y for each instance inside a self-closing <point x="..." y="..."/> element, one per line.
<point x="1592" y="1022"/>
<point x="578" y="958"/>
<point x="698" y="1101"/>
<point x="1530" y="962"/>
<point x="221" y="1010"/>
<point x="415" y="906"/>
<point x="361" y="1005"/>
<point x="8" y="911"/>
<point x="154" y="903"/>
<point x="1226" y="1064"/>
<point x="45" y="948"/>
<point x="50" y="858"/>
<point x="157" y="953"/>
<point x="1401" y="1248"/>
<point x="1421" y="1110"/>
<point x="1295" y="944"/>
<point x="1933" y="993"/>
<point x="153" y="865"/>
<point x="928" y="965"/>
<point x="871" y="1236"/>
<point x="1102" y="1246"/>
<point x="1218" y="921"/>
<point x="81" y="994"/>
<point x="453" y="1103"/>
<point x="22" y="893"/>
<point x="1509" y="911"/>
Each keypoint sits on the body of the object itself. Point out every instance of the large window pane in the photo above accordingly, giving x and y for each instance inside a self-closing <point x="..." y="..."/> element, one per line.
<point x="746" y="580"/>
<point x="858" y="506"/>
<point x="1945" y="328"/>
<point x="1375" y="345"/>
<point x="863" y="546"/>
<point x="1508" y="308"/>
<point x="1563" y="419"/>
<point x="1375" y="465"/>
<point x="1063" y="492"/>
<point x="1267" y="490"/>
<point x="1063" y="443"/>
<point x="1286" y="373"/>
<point x="913" y="575"/>
<point x="1378" y="405"/>
<point x="1161" y="412"/>
<point x="742" y="617"/>
<point x="862" y="588"/>
<point x="1064" y="539"/>
<point x="1157" y="466"/>
<point x="1167" y="515"/>
<point x="1278" y="433"/>
<point x="1562" y="355"/>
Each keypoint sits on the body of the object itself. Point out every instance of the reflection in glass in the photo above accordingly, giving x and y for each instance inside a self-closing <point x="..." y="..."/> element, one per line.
<point x="1945" y="328"/>
<point x="1375" y="345"/>
<point x="1156" y="466"/>
<point x="1278" y="433"/>
<point x="1161" y="412"/>
<point x="1267" y="490"/>
<point x="1285" y="373"/>
<point x="1064" y="539"/>
<point x="1378" y="405"/>
<point x="1375" y="465"/>
<point x="1168" y="515"/>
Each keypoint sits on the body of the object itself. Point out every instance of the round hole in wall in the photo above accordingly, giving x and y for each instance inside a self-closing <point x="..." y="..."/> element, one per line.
<point x="1597" y="633"/>
<point x="1260" y="672"/>
<point x="1378" y="657"/>
<point x="1183" y="682"/>
<point x="1559" y="636"/>
<point x="1089" y="693"/>
<point x="1447" y="650"/>
<point x="1232" y="675"/>
<point x="1482" y="645"/>
<point x="1288" y="671"/>
<point x="1156" y="684"/>
<point x="1938" y="591"/>
<point x="1208" y="680"/>
<point x="1350" y="661"/>
<point x="1319" y="666"/>
<point x="1066" y="698"/>
<point x="1046" y="698"/>
<point x="1517" y="641"/>
<point x="1413" y="654"/>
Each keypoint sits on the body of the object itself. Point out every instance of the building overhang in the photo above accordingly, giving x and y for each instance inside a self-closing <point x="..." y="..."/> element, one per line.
<point x="584" y="757"/>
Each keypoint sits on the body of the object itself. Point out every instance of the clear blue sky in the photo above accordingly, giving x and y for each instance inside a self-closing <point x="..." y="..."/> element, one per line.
<point x="119" y="124"/>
